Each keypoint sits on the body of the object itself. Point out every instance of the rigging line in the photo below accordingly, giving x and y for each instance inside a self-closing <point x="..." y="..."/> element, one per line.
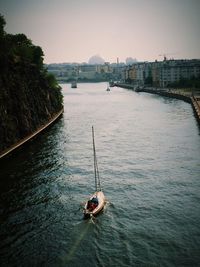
<point x="94" y="152"/>
<point x="98" y="178"/>
<point x="96" y="170"/>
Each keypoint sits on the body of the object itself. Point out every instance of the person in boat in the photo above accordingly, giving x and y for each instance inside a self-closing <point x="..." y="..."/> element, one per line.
<point x="92" y="203"/>
<point x="95" y="200"/>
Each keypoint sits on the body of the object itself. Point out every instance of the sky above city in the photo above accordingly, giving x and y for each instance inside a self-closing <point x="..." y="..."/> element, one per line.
<point x="75" y="30"/>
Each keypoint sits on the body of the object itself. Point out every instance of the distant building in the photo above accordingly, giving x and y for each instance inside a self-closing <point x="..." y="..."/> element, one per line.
<point x="105" y="68"/>
<point x="173" y="71"/>
<point x="87" y="68"/>
<point x="130" y="60"/>
<point x="162" y="74"/>
<point x="96" y="60"/>
<point x="158" y="73"/>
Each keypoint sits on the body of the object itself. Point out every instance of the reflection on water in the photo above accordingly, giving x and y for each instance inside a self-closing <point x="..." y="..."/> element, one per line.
<point x="148" y="152"/>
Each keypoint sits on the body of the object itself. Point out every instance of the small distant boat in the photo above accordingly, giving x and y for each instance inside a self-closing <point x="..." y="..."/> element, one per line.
<point x="74" y="84"/>
<point x="108" y="88"/>
<point x="96" y="201"/>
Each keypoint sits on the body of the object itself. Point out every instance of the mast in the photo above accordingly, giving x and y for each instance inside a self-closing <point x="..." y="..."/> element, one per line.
<point x="96" y="170"/>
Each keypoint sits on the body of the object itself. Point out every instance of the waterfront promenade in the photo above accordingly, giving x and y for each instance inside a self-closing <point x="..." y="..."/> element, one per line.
<point x="188" y="95"/>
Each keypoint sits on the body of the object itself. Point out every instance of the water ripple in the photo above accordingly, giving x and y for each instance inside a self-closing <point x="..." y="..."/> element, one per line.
<point x="148" y="154"/>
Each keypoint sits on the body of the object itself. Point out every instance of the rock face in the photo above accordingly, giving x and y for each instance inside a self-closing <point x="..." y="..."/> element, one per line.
<point x="29" y="96"/>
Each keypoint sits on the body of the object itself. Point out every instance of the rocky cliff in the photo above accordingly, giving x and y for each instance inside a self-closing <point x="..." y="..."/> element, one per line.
<point x="29" y="96"/>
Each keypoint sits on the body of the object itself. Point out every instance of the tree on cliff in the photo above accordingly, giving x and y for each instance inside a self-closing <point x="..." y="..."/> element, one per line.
<point x="29" y="95"/>
<point x="2" y="25"/>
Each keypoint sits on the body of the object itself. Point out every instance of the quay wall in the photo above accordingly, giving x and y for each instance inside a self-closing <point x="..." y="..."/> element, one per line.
<point x="196" y="107"/>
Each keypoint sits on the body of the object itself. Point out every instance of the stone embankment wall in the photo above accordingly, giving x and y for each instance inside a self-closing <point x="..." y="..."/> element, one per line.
<point x="195" y="100"/>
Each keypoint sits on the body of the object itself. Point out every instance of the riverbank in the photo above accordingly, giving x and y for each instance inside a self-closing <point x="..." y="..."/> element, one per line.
<point x="186" y="95"/>
<point x="31" y="136"/>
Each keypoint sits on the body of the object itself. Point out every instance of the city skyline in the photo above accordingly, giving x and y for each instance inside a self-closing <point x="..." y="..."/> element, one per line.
<point x="75" y="30"/>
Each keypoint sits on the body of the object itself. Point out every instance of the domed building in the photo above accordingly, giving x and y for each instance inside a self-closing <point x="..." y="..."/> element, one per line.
<point x="96" y="60"/>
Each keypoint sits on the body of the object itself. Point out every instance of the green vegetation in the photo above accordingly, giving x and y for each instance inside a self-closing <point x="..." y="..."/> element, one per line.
<point x="29" y="96"/>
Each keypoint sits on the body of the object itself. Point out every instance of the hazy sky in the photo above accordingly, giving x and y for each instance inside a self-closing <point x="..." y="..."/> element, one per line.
<point x="75" y="30"/>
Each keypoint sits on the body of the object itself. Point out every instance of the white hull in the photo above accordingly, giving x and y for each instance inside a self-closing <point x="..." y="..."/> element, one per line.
<point x="101" y="203"/>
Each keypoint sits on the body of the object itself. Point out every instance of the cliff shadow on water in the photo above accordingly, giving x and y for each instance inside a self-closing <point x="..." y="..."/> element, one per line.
<point x="29" y="96"/>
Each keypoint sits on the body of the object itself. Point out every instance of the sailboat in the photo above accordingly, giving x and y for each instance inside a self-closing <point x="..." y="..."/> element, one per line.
<point x="96" y="201"/>
<point x="108" y="88"/>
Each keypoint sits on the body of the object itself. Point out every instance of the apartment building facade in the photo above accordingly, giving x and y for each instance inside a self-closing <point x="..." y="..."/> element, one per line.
<point x="162" y="74"/>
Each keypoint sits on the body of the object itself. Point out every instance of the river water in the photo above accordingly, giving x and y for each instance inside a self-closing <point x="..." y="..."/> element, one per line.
<point x="148" y="150"/>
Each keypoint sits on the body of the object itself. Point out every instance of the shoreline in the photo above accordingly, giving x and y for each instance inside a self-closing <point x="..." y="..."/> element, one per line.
<point x="29" y="137"/>
<point x="188" y="97"/>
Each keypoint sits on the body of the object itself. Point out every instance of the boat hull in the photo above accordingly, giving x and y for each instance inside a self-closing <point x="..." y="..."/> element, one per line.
<point x="101" y="203"/>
